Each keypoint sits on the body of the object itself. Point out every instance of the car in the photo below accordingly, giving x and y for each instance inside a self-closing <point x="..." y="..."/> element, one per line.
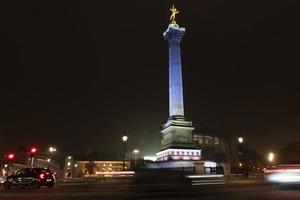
<point x="30" y="177"/>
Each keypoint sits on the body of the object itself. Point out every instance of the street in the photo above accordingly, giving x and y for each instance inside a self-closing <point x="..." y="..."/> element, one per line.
<point x="127" y="190"/>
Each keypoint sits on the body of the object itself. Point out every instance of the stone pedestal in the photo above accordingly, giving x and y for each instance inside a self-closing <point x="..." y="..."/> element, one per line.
<point x="177" y="133"/>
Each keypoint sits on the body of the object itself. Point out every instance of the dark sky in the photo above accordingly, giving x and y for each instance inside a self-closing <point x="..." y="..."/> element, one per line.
<point x="76" y="74"/>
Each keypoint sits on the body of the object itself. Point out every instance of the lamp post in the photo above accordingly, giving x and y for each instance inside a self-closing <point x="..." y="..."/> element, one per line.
<point x="51" y="151"/>
<point x="135" y="152"/>
<point x="124" y="138"/>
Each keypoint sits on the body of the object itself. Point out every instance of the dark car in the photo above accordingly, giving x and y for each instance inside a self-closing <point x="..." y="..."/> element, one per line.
<point x="32" y="177"/>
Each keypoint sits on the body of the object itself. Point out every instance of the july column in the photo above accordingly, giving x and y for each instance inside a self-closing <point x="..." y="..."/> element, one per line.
<point x="173" y="35"/>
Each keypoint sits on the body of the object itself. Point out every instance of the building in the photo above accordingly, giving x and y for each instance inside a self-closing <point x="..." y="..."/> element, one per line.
<point x="213" y="146"/>
<point x="95" y="164"/>
<point x="100" y="168"/>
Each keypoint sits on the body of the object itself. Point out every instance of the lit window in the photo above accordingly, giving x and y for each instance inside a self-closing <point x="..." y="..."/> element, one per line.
<point x="216" y="141"/>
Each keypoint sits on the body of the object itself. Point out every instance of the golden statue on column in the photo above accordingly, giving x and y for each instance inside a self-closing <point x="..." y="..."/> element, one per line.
<point x="173" y="15"/>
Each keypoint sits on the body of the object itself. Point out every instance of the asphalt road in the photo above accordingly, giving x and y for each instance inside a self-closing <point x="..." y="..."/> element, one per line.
<point x="128" y="190"/>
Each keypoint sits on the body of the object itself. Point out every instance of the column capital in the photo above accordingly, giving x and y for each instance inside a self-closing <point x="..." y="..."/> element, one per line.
<point x="174" y="34"/>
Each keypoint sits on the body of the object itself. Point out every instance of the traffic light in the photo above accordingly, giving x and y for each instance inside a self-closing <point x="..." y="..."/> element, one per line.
<point x="11" y="156"/>
<point x="32" y="151"/>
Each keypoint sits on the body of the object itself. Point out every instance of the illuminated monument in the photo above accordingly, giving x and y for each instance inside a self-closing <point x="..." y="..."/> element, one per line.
<point x="177" y="137"/>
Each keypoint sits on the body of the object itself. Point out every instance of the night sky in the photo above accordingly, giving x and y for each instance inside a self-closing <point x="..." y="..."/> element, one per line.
<point x="76" y="74"/>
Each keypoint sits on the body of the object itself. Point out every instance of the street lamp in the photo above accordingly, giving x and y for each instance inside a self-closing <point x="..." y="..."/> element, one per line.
<point x="124" y="138"/>
<point x="240" y="140"/>
<point x="51" y="151"/>
<point x="135" y="152"/>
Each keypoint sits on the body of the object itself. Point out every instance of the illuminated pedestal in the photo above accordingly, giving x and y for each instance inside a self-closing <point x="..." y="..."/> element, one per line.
<point x="179" y="154"/>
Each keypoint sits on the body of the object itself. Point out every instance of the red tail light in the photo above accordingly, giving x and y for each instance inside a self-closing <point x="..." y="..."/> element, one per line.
<point x="42" y="176"/>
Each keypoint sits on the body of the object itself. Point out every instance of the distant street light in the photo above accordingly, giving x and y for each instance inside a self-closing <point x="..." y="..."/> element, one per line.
<point x="135" y="152"/>
<point x="271" y="157"/>
<point x="240" y="140"/>
<point x="51" y="151"/>
<point x="124" y="138"/>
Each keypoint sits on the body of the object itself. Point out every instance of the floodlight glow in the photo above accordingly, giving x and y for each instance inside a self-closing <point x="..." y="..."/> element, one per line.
<point x="152" y="158"/>
<point x="271" y="157"/>
<point x="136" y="151"/>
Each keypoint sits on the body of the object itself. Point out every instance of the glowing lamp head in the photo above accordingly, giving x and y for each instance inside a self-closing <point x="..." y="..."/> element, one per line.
<point x="124" y="138"/>
<point x="240" y="140"/>
<point x="52" y="149"/>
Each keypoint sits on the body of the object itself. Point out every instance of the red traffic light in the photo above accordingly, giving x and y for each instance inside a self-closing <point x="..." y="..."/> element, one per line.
<point x="33" y="150"/>
<point x="11" y="156"/>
